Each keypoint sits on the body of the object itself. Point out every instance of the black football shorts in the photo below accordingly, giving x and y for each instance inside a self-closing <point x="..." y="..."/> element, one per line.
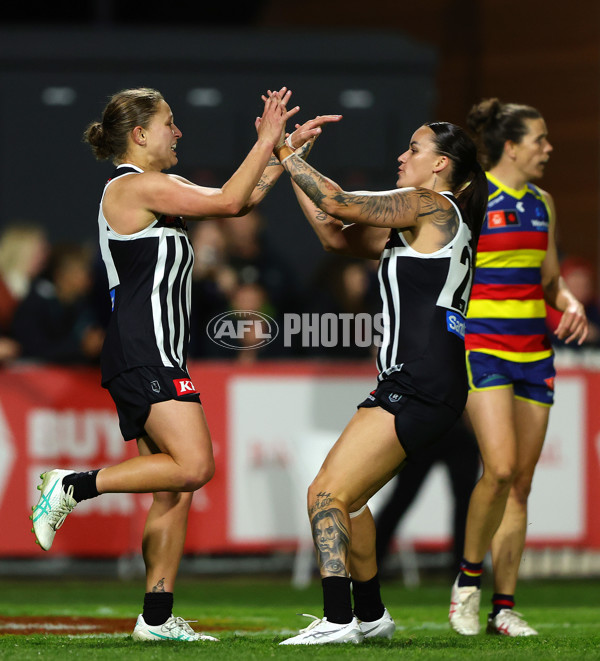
<point x="419" y="422"/>
<point x="135" y="390"/>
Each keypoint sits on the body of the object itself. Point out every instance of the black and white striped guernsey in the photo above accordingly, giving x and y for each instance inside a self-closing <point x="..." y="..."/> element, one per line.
<point x="149" y="277"/>
<point x="425" y="298"/>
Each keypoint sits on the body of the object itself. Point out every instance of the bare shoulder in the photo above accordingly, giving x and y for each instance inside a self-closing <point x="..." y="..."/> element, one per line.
<point x="434" y="207"/>
<point x="126" y="202"/>
<point x="135" y="181"/>
<point x="181" y="179"/>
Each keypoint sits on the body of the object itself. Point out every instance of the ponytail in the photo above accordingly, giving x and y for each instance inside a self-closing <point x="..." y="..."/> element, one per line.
<point x="468" y="180"/>
<point x="472" y="200"/>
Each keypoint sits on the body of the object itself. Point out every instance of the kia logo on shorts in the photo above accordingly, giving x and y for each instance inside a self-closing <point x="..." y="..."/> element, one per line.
<point x="242" y="329"/>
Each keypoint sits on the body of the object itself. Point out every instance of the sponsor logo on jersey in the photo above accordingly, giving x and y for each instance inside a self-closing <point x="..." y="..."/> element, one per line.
<point x="456" y="324"/>
<point x="394" y="397"/>
<point x="496" y="201"/>
<point x="184" y="387"/>
<point x="539" y="223"/>
<point x="501" y="218"/>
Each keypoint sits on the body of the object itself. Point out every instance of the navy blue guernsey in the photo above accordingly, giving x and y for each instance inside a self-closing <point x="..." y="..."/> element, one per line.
<point x="425" y="298"/>
<point x="149" y="278"/>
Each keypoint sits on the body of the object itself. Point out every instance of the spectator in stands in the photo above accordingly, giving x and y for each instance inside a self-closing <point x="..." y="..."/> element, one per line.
<point x="55" y="321"/>
<point x="345" y="286"/>
<point x="254" y="262"/>
<point x="213" y="283"/>
<point x="23" y="254"/>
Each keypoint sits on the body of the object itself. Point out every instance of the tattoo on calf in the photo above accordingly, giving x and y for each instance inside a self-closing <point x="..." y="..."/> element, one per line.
<point x="332" y="542"/>
<point x="160" y="586"/>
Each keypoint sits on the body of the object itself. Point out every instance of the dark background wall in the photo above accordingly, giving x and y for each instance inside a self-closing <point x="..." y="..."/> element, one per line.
<point x="408" y="62"/>
<point x="546" y="54"/>
<point x="56" y="81"/>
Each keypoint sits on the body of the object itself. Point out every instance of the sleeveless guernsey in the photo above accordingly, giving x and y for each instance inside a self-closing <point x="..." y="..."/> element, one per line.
<point x="425" y="298"/>
<point x="149" y="277"/>
<point x="506" y="316"/>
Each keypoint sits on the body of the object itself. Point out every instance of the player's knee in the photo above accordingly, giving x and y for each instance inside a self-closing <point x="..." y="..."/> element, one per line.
<point x="312" y="494"/>
<point x="195" y="475"/>
<point x="319" y="493"/>
<point x="521" y="489"/>
<point x="500" y="477"/>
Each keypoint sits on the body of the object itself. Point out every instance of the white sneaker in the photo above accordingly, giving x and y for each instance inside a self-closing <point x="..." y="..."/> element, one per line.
<point x="509" y="623"/>
<point x="321" y="631"/>
<point x="52" y="508"/>
<point x="464" y="609"/>
<point x="384" y="627"/>
<point x="175" y="628"/>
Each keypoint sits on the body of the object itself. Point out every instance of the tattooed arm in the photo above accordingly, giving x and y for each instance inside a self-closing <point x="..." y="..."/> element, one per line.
<point x="402" y="208"/>
<point x="302" y="139"/>
<point x="352" y="240"/>
<point x="267" y="180"/>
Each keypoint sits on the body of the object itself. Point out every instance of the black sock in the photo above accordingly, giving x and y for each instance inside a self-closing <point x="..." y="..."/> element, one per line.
<point x="368" y="606"/>
<point x="470" y="574"/>
<point x="337" y="602"/>
<point x="501" y="602"/>
<point x="84" y="485"/>
<point x="158" y="607"/>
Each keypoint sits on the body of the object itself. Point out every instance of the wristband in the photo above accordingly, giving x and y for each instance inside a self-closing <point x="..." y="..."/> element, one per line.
<point x="283" y="152"/>
<point x="288" y="142"/>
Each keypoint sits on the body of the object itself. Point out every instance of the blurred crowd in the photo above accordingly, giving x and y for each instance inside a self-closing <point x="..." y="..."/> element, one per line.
<point x="55" y="306"/>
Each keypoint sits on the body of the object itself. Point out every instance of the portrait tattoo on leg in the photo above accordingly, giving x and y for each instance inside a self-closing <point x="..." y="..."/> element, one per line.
<point x="332" y="542"/>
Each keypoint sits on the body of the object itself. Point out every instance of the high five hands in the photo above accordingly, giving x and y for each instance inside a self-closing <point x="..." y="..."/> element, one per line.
<point x="275" y="115"/>
<point x="304" y="133"/>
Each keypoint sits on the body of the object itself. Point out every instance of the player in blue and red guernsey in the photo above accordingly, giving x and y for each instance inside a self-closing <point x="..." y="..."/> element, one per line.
<point x="509" y="356"/>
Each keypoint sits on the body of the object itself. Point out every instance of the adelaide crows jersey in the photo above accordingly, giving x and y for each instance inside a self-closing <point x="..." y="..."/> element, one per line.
<point x="424" y="303"/>
<point x="149" y="277"/>
<point x="506" y="316"/>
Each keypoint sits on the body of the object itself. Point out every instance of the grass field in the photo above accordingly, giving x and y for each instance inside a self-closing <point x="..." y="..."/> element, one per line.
<point x="252" y="615"/>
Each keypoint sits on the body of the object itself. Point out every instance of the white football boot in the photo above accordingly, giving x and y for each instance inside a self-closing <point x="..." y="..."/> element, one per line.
<point x="175" y="628"/>
<point x="320" y="632"/>
<point x="464" y="609"/>
<point x="384" y="627"/>
<point x="509" y="623"/>
<point x="52" y="508"/>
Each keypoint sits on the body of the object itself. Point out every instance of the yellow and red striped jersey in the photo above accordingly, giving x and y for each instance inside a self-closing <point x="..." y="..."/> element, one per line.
<point x="506" y="314"/>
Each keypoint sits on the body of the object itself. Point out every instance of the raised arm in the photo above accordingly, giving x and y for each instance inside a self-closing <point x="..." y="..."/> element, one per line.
<point x="401" y="208"/>
<point x="132" y="202"/>
<point x="352" y="240"/>
<point x="302" y="140"/>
